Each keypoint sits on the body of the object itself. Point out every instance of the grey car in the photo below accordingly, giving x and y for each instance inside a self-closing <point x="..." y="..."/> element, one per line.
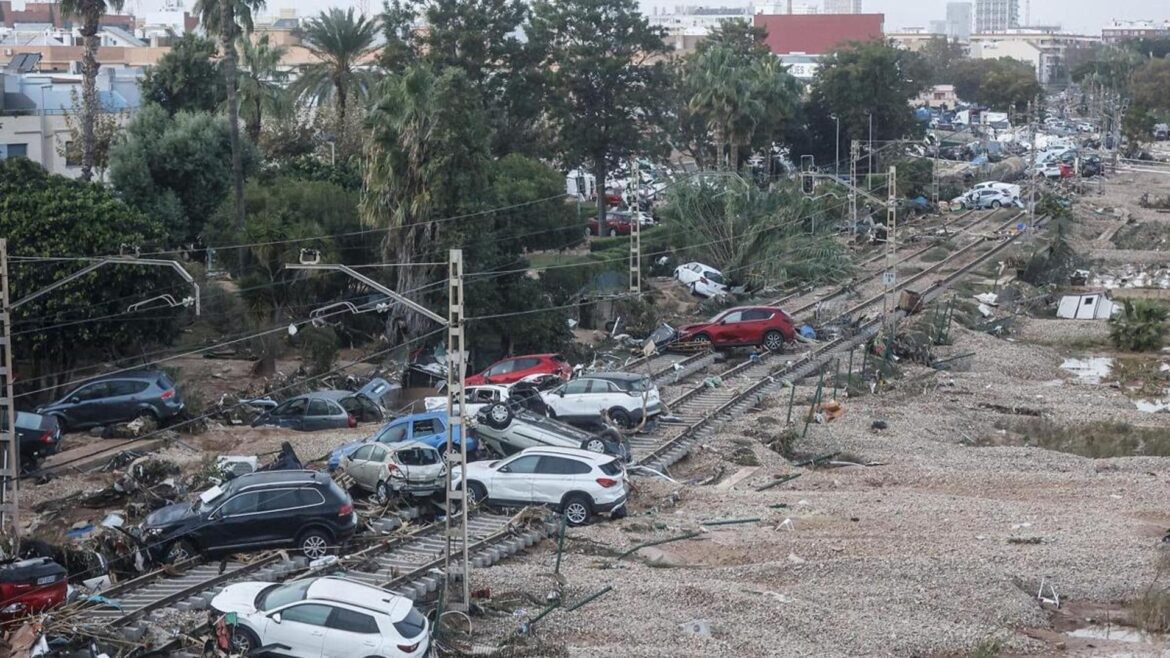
<point x="117" y="398"/>
<point x="309" y="412"/>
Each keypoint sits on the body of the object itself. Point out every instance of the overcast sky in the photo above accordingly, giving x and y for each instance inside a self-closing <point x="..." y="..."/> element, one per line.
<point x="1083" y="16"/>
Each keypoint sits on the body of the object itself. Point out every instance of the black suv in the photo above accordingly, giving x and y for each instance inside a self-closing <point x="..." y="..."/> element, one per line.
<point x="117" y="398"/>
<point x="305" y="510"/>
<point x="38" y="436"/>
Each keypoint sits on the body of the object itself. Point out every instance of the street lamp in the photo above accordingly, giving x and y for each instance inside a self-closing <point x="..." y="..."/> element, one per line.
<point x="837" y="153"/>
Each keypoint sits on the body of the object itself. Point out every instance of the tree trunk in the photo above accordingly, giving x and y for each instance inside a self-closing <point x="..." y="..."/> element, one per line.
<point x="733" y="157"/>
<point x="253" y="126"/>
<point x="340" y="90"/>
<point x="228" y="27"/>
<point x="89" y="97"/>
<point x="599" y="179"/>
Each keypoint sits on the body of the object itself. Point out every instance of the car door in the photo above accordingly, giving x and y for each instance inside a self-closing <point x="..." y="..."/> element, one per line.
<point x="318" y="415"/>
<point x="574" y="402"/>
<point x="726" y="332"/>
<point x="499" y="373"/>
<point x="290" y="414"/>
<point x="755" y="323"/>
<point x="357" y="466"/>
<point x="351" y="634"/>
<point x="281" y="513"/>
<point x="234" y="524"/>
<point x="301" y="628"/>
<point x="84" y="405"/>
<point x="122" y="402"/>
<point x="372" y="469"/>
<point x="551" y="479"/>
<point x="512" y="482"/>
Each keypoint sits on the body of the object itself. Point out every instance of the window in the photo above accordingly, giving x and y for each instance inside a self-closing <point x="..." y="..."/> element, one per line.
<point x="611" y="467"/>
<point x="525" y="364"/>
<point x="756" y="314"/>
<point x="732" y="317"/>
<point x="525" y="464"/>
<point x="714" y="277"/>
<point x="93" y="392"/>
<point x="425" y="427"/>
<point x="318" y="407"/>
<point x="417" y="457"/>
<point x="294" y="407"/>
<point x="354" y="622"/>
<point x="308" y="497"/>
<point x="640" y="385"/>
<point x="378" y="454"/>
<point x="13" y="151"/>
<point x="244" y="503"/>
<point x="279" y="595"/>
<point x="362" y="453"/>
<point x="392" y="434"/>
<point x="351" y="406"/>
<point x="308" y="613"/>
<point x="411" y="625"/>
<point x="276" y="500"/>
<point x="483" y="395"/>
<point x="127" y="388"/>
<point x="164" y="382"/>
<point x="502" y="368"/>
<point x="578" y="386"/>
<point x="561" y="466"/>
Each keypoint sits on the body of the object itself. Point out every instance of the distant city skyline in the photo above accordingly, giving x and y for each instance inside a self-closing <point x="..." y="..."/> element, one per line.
<point x="1082" y="16"/>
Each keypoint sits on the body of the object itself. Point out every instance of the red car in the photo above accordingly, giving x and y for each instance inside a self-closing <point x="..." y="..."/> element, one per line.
<point x="616" y="223"/>
<point x="30" y="586"/>
<point x="515" y="368"/>
<point x="766" y="326"/>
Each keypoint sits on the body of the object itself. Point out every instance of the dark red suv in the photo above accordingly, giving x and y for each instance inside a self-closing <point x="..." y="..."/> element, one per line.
<point x="515" y="368"/>
<point x="766" y="326"/>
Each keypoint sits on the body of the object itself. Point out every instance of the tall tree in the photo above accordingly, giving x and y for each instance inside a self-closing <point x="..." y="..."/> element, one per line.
<point x="261" y="88"/>
<point x="607" y="81"/>
<point x="427" y="158"/>
<point x="90" y="12"/>
<point x="941" y="55"/>
<point x="187" y="78"/>
<point x="1000" y="84"/>
<point x="863" y="80"/>
<point x="231" y="19"/>
<point x="339" y="40"/>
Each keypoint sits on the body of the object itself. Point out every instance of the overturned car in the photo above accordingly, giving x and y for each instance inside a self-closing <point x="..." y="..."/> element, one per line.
<point x="509" y="427"/>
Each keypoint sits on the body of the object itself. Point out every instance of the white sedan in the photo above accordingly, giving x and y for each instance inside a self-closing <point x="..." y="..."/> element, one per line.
<point x="324" y="617"/>
<point x="701" y="279"/>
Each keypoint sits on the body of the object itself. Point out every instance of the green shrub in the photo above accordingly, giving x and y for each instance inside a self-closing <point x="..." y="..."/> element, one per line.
<point x="1139" y="327"/>
<point x="319" y="346"/>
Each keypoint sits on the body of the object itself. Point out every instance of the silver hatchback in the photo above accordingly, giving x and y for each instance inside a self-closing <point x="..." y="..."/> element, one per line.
<point x="394" y="470"/>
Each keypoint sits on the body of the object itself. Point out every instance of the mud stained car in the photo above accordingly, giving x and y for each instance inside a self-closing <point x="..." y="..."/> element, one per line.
<point x="392" y="470"/>
<point x="507" y="428"/>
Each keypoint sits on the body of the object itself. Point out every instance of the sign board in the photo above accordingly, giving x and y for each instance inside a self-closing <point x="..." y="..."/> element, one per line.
<point x="889" y="278"/>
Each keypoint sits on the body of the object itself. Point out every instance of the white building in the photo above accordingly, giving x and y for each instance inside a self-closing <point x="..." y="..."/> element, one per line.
<point x="1043" y="49"/>
<point x="959" y="21"/>
<point x="34" y="109"/>
<point x="996" y="15"/>
<point x="843" y="7"/>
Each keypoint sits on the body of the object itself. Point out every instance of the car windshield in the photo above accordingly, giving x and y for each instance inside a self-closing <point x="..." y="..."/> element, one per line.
<point x="280" y="595"/>
<point x="713" y="277"/>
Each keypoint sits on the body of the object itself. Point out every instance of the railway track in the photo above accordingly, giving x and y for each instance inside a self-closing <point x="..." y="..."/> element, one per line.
<point x="409" y="565"/>
<point x="702" y="408"/>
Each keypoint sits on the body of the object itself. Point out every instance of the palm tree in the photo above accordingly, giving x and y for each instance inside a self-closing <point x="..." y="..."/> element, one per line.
<point x="339" y="40"/>
<point x="229" y="19"/>
<point x="90" y="12"/>
<point x="260" y="83"/>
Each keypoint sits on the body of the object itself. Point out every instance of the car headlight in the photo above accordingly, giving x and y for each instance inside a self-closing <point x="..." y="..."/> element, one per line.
<point x="152" y="532"/>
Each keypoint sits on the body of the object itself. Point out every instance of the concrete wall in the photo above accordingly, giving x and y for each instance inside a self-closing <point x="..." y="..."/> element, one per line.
<point x="42" y="135"/>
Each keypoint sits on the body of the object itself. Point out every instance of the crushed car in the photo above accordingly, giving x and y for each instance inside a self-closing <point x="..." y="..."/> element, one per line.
<point x="508" y="427"/>
<point x="407" y="469"/>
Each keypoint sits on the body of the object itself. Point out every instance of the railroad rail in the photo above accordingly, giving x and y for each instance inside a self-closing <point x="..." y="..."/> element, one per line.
<point x="408" y="565"/>
<point x="702" y="408"/>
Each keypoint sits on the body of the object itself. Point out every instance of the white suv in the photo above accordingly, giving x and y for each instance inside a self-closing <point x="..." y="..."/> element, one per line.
<point x="579" y="483"/>
<point x="320" y="617"/>
<point x="626" y="397"/>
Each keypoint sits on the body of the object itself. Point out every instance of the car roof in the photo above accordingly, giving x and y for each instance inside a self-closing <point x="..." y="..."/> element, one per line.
<point x="329" y="394"/>
<point x="274" y="478"/>
<point x="578" y="453"/>
<point x="401" y="445"/>
<point x="754" y="308"/>
<point x="529" y="356"/>
<point x="127" y="374"/>
<point x="622" y="376"/>
<point x="352" y="592"/>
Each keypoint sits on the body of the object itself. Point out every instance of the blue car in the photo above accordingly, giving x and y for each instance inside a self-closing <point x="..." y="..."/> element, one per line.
<point x="429" y="428"/>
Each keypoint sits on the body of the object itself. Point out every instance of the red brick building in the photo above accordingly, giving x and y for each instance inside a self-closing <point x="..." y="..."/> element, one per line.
<point x="817" y="34"/>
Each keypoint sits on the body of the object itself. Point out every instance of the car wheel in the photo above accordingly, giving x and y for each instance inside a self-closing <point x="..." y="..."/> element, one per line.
<point x="577" y="509"/>
<point x="476" y="493"/>
<point x="613" y="232"/>
<point x="596" y="444"/>
<point x="314" y="544"/>
<point x="996" y="205"/>
<point x="774" y="341"/>
<point x="621" y="417"/>
<point x="499" y="416"/>
<point x="243" y="640"/>
<point x="383" y="493"/>
<point x="180" y="551"/>
<point x="701" y="338"/>
<point x="62" y="424"/>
